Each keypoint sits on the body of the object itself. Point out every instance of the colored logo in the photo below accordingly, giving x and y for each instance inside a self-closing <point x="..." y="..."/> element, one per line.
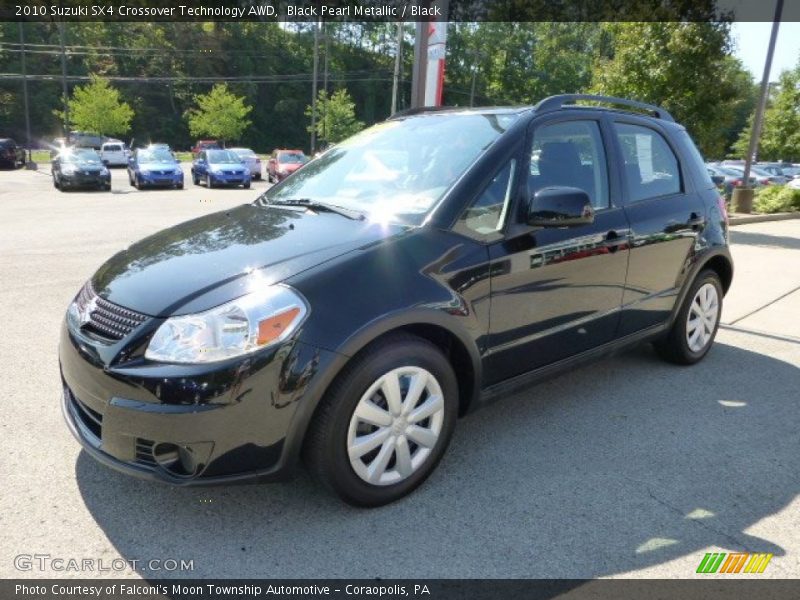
<point x="735" y="562"/>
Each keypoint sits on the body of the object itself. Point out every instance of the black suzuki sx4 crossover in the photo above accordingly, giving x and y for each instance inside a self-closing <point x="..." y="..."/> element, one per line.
<point x="355" y="310"/>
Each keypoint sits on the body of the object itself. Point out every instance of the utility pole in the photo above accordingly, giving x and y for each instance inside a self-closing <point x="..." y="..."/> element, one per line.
<point x="419" y="73"/>
<point x="64" y="81"/>
<point x="742" y="198"/>
<point x="398" y="58"/>
<point x="29" y="162"/>
<point x="314" y="90"/>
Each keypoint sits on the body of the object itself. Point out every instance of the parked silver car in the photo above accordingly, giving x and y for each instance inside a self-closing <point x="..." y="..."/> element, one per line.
<point x="250" y="159"/>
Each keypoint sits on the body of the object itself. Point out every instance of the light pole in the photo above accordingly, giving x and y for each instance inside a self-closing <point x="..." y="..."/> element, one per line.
<point x="64" y="82"/>
<point x="398" y="58"/>
<point x="314" y="89"/>
<point x="29" y="163"/>
<point x="742" y="197"/>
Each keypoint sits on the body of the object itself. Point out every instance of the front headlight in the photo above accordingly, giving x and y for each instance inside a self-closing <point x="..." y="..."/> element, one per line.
<point x="247" y="324"/>
<point x="68" y="169"/>
<point x="103" y="171"/>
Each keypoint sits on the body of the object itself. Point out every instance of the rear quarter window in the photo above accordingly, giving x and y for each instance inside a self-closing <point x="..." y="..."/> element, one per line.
<point x="697" y="163"/>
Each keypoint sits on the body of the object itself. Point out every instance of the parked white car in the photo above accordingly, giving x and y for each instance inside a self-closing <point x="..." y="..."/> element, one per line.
<point x="794" y="183"/>
<point x="114" y="154"/>
<point x="249" y="158"/>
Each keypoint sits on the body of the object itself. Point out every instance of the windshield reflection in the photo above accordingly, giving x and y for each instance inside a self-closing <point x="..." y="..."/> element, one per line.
<point x="396" y="169"/>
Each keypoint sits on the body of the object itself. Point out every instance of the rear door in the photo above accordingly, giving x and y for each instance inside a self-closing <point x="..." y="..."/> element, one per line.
<point x="666" y="215"/>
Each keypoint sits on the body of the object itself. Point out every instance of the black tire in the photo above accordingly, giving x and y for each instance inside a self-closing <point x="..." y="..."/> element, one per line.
<point x="209" y="182"/>
<point x="130" y="179"/>
<point x="257" y="176"/>
<point x="674" y="347"/>
<point x="55" y="182"/>
<point x="325" y="449"/>
<point x="246" y="185"/>
<point x="136" y="183"/>
<point x="195" y="179"/>
<point x="179" y="186"/>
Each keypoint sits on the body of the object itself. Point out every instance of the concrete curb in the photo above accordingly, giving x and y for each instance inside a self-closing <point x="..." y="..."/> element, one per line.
<point x="743" y="219"/>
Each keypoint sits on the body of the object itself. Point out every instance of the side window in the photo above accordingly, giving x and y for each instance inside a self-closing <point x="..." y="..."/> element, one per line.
<point x="487" y="213"/>
<point x="570" y="154"/>
<point x="650" y="166"/>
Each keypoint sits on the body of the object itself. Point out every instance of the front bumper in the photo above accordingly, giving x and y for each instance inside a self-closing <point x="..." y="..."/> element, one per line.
<point x="155" y="178"/>
<point x="81" y="179"/>
<point x="219" y="178"/>
<point x="186" y="424"/>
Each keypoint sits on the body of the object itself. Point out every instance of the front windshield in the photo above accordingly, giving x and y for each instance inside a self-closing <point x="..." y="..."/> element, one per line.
<point x="223" y="156"/>
<point x="292" y="158"/>
<point x="396" y="169"/>
<point x="155" y="156"/>
<point x="245" y="153"/>
<point x="81" y="156"/>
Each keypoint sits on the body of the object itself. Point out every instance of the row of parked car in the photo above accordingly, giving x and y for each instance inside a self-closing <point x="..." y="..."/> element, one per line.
<point x="729" y="174"/>
<point x="156" y="165"/>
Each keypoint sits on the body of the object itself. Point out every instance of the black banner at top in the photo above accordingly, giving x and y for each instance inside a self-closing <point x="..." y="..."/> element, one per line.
<point x="395" y="10"/>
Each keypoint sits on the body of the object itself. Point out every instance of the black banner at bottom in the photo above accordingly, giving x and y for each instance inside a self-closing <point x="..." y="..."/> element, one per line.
<point x="395" y="589"/>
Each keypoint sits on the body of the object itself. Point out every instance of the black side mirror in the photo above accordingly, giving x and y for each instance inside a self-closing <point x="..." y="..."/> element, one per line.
<point x="560" y="207"/>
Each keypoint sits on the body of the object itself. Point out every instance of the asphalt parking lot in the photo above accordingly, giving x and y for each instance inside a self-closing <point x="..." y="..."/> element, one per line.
<point x="626" y="468"/>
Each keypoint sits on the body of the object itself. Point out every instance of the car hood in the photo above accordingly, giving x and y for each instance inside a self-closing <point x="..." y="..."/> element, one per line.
<point x="158" y="166"/>
<point x="231" y="166"/>
<point x="207" y="261"/>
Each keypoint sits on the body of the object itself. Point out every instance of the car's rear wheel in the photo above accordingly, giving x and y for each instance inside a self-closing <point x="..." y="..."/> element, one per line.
<point x="695" y="327"/>
<point x="385" y="422"/>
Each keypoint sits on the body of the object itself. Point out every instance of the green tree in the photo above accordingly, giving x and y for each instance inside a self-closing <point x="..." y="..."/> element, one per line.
<point x="336" y="117"/>
<point x="97" y="108"/>
<point x="684" y="67"/>
<point x="220" y="114"/>
<point x="780" y="133"/>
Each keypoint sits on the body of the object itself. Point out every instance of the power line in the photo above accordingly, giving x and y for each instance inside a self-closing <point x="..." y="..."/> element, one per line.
<point x="299" y="77"/>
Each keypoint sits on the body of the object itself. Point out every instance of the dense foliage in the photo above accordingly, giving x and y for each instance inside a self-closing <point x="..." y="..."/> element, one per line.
<point x="219" y="114"/>
<point x="161" y="68"/>
<point x="780" y="133"/>
<point x="777" y="198"/>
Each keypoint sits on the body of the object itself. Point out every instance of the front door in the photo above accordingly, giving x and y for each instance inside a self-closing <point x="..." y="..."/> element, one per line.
<point x="558" y="291"/>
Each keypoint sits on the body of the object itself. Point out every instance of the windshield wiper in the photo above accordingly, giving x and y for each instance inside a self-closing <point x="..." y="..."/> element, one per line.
<point x="350" y="213"/>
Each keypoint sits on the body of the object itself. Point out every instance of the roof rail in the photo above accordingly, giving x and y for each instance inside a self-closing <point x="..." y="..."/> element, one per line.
<point x="552" y="103"/>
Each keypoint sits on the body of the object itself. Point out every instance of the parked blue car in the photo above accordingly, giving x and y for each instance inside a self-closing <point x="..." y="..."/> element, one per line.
<point x="219" y="168"/>
<point x="154" y="167"/>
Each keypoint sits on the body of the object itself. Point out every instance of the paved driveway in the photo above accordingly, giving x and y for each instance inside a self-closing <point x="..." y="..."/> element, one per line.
<point x="628" y="467"/>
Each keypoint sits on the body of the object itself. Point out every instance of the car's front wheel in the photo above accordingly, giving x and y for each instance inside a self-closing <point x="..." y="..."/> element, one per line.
<point x="385" y="422"/>
<point x="697" y="322"/>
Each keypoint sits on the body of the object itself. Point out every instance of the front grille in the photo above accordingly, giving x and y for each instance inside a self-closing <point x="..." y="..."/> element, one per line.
<point x="144" y="453"/>
<point x="106" y="319"/>
<point x="91" y="419"/>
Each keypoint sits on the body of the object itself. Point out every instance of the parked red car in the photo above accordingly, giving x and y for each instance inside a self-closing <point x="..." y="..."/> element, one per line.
<point x="283" y="163"/>
<point x="205" y="145"/>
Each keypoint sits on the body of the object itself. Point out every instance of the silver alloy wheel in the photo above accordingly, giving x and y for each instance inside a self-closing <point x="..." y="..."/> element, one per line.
<point x="395" y="425"/>
<point x="702" y="318"/>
